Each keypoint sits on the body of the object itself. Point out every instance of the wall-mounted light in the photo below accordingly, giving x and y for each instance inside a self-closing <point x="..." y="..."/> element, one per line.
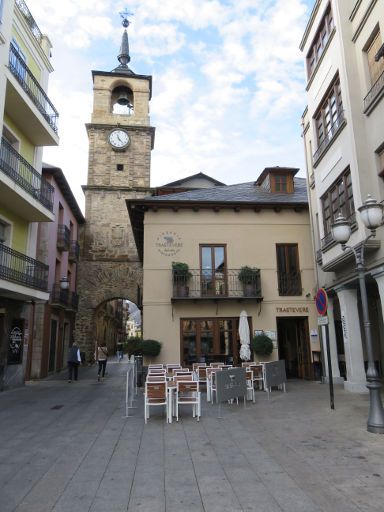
<point x="64" y="283"/>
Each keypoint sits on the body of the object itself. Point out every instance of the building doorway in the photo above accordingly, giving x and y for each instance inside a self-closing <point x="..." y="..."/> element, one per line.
<point x="294" y="347"/>
<point x="52" y="346"/>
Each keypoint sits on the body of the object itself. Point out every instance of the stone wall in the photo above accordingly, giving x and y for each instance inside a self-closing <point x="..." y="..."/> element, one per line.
<point x="100" y="281"/>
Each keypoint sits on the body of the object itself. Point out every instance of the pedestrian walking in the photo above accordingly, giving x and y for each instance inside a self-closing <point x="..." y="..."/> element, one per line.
<point x="101" y="356"/>
<point x="120" y="352"/>
<point x="73" y="360"/>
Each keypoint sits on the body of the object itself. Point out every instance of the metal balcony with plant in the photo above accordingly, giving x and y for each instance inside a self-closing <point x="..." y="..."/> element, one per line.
<point x="21" y="269"/>
<point x="207" y="284"/>
<point x="32" y="87"/>
<point x="23" y="174"/>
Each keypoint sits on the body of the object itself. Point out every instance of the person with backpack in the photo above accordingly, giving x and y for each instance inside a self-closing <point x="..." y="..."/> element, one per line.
<point x="101" y="356"/>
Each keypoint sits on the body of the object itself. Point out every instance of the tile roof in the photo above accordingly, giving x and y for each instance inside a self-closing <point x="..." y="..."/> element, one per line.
<point x="240" y="193"/>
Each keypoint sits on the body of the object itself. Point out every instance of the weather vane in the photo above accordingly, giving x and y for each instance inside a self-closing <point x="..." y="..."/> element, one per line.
<point x="124" y="14"/>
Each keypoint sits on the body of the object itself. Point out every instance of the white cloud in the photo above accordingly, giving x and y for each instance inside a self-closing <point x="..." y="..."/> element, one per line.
<point x="228" y="85"/>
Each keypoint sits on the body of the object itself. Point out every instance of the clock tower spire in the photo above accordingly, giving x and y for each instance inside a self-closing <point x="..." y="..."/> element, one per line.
<point x="120" y="143"/>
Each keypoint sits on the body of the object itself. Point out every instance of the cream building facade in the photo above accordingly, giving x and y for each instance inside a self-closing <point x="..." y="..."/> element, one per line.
<point x="28" y="123"/>
<point x="216" y="231"/>
<point x="343" y="133"/>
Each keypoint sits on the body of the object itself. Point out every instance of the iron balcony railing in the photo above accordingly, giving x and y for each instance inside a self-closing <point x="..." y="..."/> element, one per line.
<point x="21" y="269"/>
<point x="63" y="237"/>
<point x="32" y="87"/>
<point x="29" y="19"/>
<point x="377" y="89"/>
<point x="74" y="250"/>
<point x="64" y="298"/>
<point x="206" y="284"/>
<point x="289" y="283"/>
<point x="334" y="128"/>
<point x="22" y="173"/>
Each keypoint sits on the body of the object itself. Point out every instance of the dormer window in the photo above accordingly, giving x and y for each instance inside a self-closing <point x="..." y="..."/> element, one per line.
<point x="281" y="183"/>
<point x="277" y="179"/>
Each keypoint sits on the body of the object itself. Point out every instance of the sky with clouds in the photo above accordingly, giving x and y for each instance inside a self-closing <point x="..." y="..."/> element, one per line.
<point x="228" y="81"/>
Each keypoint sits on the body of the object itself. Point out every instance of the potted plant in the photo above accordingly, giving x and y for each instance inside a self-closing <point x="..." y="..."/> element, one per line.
<point x="132" y="346"/>
<point x="262" y="345"/>
<point x="181" y="275"/>
<point x="248" y="277"/>
<point x="150" y="348"/>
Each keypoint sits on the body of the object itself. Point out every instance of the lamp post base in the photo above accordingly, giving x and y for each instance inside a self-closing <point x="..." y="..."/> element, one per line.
<point x="375" y="422"/>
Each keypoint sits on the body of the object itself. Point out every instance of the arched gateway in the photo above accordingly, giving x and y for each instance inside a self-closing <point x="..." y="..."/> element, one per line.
<point x="120" y="144"/>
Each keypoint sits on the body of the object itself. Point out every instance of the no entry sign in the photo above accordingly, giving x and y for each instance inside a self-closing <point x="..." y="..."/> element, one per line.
<point x="321" y="301"/>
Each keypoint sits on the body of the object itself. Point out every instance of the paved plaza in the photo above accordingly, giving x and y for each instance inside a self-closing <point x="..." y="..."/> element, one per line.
<point x="69" y="448"/>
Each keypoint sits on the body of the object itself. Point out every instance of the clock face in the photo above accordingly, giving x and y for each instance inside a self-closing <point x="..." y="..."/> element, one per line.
<point x="119" y="139"/>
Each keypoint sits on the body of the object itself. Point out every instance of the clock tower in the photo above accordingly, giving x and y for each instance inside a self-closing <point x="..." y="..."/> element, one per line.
<point x="120" y="144"/>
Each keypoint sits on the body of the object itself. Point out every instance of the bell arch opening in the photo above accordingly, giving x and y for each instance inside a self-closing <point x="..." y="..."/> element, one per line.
<point x="122" y="100"/>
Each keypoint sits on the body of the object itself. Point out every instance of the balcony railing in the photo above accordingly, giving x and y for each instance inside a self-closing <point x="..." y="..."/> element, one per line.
<point x="377" y="90"/>
<point x="21" y="269"/>
<point x="63" y="237"/>
<point x="334" y="128"/>
<point x="29" y="19"/>
<point x="32" y="87"/>
<point x="64" y="298"/>
<point x="74" y="251"/>
<point x="289" y="284"/>
<point x="22" y="173"/>
<point x="204" y="284"/>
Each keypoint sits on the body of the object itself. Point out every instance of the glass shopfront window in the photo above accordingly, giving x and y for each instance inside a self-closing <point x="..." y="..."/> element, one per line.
<point x="209" y="340"/>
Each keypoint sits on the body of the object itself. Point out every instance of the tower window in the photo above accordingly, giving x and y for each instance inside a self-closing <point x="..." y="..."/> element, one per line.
<point x="122" y="101"/>
<point x="120" y="167"/>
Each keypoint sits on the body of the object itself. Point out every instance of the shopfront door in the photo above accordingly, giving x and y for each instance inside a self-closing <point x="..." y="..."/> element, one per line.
<point x="294" y="347"/>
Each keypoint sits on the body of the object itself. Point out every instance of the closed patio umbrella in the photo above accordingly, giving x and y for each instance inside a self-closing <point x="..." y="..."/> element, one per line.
<point x="245" y="352"/>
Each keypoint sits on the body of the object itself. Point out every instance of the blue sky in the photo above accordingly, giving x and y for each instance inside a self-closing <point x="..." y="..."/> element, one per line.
<point x="228" y="81"/>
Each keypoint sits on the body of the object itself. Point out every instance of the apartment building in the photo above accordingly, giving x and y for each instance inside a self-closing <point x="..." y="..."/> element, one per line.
<point x="58" y="246"/>
<point x="28" y="122"/>
<point x="217" y="230"/>
<point x="343" y="134"/>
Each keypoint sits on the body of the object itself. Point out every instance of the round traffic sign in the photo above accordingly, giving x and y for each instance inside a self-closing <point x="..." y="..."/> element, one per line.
<point x="321" y="301"/>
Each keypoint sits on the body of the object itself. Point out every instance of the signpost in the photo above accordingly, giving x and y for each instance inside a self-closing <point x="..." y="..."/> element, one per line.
<point x="321" y="301"/>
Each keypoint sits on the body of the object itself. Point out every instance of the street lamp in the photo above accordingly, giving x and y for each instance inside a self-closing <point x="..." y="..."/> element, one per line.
<point x="371" y="213"/>
<point x="64" y="283"/>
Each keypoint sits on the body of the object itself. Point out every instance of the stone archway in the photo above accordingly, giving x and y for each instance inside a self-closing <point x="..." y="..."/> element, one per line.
<point x="101" y="282"/>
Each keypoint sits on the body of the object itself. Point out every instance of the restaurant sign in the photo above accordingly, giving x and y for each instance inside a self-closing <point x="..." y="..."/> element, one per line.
<point x="230" y="384"/>
<point x="168" y="243"/>
<point x="15" y="347"/>
<point x="293" y="309"/>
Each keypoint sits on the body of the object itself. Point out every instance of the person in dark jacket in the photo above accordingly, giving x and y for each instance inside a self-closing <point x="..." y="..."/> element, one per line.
<point x="73" y="361"/>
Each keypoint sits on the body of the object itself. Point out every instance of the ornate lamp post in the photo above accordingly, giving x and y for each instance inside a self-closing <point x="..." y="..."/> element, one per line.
<point x="372" y="216"/>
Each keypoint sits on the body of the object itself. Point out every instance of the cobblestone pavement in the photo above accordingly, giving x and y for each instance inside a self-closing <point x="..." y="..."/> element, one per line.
<point x="69" y="448"/>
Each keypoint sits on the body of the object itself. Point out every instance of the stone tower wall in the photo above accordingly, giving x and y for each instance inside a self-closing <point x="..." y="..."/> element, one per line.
<point x="109" y="267"/>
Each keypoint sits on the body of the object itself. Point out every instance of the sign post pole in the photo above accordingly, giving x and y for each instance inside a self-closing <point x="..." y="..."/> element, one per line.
<point x="321" y="301"/>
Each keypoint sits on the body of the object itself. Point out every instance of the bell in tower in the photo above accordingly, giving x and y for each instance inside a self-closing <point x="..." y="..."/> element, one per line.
<point x="122" y="100"/>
